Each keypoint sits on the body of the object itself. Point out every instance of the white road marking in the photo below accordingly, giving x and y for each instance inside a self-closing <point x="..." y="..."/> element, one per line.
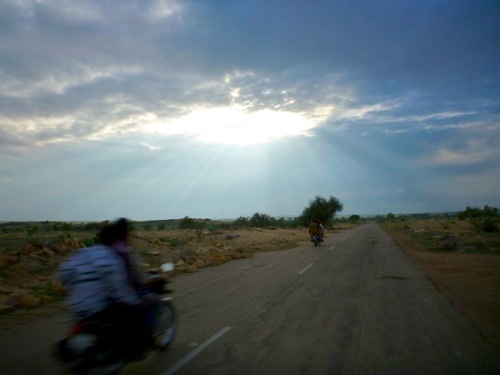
<point x="332" y="247"/>
<point x="195" y="352"/>
<point x="305" y="269"/>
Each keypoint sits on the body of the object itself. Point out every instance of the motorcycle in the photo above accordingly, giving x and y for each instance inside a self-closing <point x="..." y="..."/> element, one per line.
<point x="94" y="345"/>
<point x="316" y="239"/>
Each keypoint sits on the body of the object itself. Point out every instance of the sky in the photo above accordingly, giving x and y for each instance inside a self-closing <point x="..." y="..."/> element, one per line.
<point x="159" y="109"/>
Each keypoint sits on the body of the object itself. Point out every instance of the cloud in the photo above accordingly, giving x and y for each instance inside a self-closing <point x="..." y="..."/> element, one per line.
<point x="372" y="93"/>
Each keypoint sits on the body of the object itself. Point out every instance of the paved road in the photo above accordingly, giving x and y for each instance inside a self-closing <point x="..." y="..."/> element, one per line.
<point x="356" y="305"/>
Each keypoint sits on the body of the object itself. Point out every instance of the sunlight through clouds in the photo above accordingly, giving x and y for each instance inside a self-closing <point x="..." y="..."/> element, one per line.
<point x="232" y="125"/>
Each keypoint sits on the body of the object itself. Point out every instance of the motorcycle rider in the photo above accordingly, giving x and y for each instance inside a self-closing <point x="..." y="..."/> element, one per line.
<point x="316" y="229"/>
<point x="136" y="277"/>
<point x="97" y="288"/>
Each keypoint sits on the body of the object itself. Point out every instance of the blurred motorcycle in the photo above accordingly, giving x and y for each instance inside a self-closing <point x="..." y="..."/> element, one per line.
<point x="94" y="345"/>
<point x="316" y="238"/>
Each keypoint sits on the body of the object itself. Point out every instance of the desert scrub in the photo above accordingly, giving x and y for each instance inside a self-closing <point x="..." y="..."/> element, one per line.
<point x="173" y="242"/>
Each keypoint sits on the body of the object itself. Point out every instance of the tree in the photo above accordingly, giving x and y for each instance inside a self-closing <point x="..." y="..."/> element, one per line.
<point x="321" y="209"/>
<point x="354" y="218"/>
<point x="242" y="221"/>
<point x="485" y="220"/>
<point x="189" y="223"/>
<point x="261" y="220"/>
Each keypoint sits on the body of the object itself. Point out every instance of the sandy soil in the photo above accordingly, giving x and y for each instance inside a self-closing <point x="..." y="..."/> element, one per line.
<point x="470" y="281"/>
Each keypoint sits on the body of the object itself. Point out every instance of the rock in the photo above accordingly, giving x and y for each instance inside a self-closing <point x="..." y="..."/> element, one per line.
<point x="48" y="251"/>
<point x="199" y="263"/>
<point x="153" y="252"/>
<point x="191" y="269"/>
<point x="7" y="304"/>
<point x="73" y="244"/>
<point x="46" y="299"/>
<point x="448" y="245"/>
<point x="235" y="254"/>
<point x="8" y="260"/>
<point x="472" y="246"/>
<point x="57" y="288"/>
<point x="4" y="289"/>
<point x="45" y="278"/>
<point x="60" y="248"/>
<point x="4" y="309"/>
<point x="232" y="236"/>
<point x="218" y="244"/>
<point x="179" y="269"/>
<point x="28" y="249"/>
<point x="28" y="302"/>
<point x="31" y="264"/>
<point x="180" y="263"/>
<point x="37" y="257"/>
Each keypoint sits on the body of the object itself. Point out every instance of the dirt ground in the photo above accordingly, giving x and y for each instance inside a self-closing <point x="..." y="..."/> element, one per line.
<point x="470" y="281"/>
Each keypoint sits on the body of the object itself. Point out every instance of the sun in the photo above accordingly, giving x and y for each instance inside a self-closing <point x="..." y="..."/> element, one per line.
<point x="233" y="125"/>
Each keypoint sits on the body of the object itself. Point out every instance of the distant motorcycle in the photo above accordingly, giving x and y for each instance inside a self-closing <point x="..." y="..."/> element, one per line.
<point x="93" y="345"/>
<point x="316" y="238"/>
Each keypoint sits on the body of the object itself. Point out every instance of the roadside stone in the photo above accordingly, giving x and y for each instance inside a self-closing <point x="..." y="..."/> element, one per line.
<point x="232" y="236"/>
<point x="153" y="252"/>
<point x="57" y="288"/>
<point x="28" y="302"/>
<point x="46" y="299"/>
<point x="4" y="289"/>
<point x="28" y="249"/>
<point x="45" y="278"/>
<point x="247" y="255"/>
<point x="60" y="248"/>
<point x="5" y="309"/>
<point x="73" y="243"/>
<point x="235" y="254"/>
<point x="37" y="257"/>
<point x="472" y="246"/>
<point x="31" y="264"/>
<point x="9" y="260"/>
<point x="199" y="263"/>
<point x="48" y="251"/>
<point x="191" y="269"/>
<point x="179" y="269"/>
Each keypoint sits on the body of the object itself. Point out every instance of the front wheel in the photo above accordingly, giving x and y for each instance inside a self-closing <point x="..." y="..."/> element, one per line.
<point x="166" y="324"/>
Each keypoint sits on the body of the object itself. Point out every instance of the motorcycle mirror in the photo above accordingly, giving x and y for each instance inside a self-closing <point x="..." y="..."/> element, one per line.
<point x="167" y="267"/>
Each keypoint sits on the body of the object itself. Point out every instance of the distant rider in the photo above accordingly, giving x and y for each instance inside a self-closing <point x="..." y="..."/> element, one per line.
<point x="314" y="229"/>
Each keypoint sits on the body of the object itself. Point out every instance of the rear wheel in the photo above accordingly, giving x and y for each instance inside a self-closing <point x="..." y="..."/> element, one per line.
<point x="166" y="325"/>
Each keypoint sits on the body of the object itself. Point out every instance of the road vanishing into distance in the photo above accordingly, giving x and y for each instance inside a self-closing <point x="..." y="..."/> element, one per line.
<point x="355" y="305"/>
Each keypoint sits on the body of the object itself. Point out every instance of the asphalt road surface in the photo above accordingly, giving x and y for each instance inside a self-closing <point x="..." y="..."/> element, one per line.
<point x="355" y="305"/>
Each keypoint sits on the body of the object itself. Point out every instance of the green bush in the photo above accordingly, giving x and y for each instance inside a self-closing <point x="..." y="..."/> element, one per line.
<point x="485" y="220"/>
<point x="189" y="223"/>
